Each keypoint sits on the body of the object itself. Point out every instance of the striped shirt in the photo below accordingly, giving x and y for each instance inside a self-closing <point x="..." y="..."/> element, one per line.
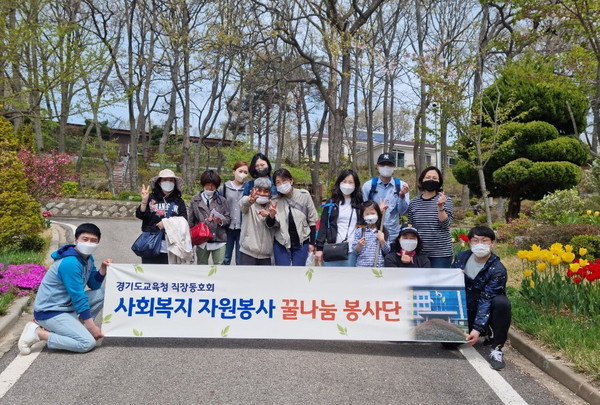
<point x="366" y="257"/>
<point x="423" y="215"/>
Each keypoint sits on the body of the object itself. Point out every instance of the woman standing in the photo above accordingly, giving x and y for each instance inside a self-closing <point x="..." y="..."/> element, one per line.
<point x="161" y="199"/>
<point x="293" y="215"/>
<point x="431" y="213"/>
<point x="233" y="191"/>
<point x="259" y="167"/>
<point x="339" y="218"/>
<point x="210" y="207"/>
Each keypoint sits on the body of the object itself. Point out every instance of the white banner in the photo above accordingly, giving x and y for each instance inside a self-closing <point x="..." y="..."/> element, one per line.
<point x="285" y="302"/>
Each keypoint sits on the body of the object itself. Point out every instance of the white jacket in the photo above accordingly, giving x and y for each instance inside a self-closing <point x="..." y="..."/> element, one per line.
<point x="179" y="241"/>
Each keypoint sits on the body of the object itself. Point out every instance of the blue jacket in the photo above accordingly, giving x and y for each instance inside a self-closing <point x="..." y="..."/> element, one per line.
<point x="489" y="283"/>
<point x="63" y="287"/>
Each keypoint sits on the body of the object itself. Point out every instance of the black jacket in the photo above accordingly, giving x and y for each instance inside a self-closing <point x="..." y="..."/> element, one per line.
<point x="328" y="234"/>
<point x="157" y="209"/>
<point x="419" y="261"/>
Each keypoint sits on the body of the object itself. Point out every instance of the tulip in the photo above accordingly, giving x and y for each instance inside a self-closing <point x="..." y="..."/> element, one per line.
<point x="541" y="266"/>
<point x="527" y="273"/>
<point x="583" y="252"/>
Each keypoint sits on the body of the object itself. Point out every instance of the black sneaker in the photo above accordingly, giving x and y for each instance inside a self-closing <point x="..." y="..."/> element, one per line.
<point x="497" y="358"/>
<point x="487" y="341"/>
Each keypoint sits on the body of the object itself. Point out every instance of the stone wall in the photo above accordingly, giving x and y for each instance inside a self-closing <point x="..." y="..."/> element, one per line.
<point x="74" y="207"/>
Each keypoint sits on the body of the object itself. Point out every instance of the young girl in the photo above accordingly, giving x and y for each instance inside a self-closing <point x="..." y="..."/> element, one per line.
<point x="368" y="239"/>
<point x="408" y="250"/>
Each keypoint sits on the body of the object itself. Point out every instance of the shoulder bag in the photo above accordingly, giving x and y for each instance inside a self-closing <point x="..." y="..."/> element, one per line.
<point x="148" y="243"/>
<point x="333" y="252"/>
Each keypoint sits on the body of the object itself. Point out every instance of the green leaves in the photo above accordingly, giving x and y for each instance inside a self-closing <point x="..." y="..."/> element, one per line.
<point x="309" y="274"/>
<point x="212" y="270"/>
<point x="137" y="333"/>
<point x="106" y="319"/>
<point x="378" y="273"/>
<point x="342" y="330"/>
<point x="138" y="269"/>
<point x="225" y="331"/>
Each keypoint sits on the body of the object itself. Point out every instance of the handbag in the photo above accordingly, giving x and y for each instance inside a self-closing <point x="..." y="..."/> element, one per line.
<point x="200" y="234"/>
<point x="148" y="244"/>
<point x="333" y="252"/>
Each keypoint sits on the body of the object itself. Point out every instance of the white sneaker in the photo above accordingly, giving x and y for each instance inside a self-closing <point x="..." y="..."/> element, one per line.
<point x="28" y="338"/>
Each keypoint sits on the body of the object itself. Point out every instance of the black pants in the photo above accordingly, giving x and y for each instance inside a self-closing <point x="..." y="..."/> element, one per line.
<point x="247" y="260"/>
<point x="162" y="258"/>
<point x="499" y="322"/>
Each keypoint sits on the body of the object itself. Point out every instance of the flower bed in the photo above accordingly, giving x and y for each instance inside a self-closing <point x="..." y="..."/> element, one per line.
<point x="20" y="279"/>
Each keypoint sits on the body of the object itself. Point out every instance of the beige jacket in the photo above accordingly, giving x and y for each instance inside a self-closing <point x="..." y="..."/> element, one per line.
<point x="179" y="241"/>
<point x="303" y="222"/>
<point x="256" y="239"/>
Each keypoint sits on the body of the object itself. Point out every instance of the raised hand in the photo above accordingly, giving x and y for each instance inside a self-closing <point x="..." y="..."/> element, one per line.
<point x="403" y="190"/>
<point x="441" y="200"/>
<point x="145" y="192"/>
<point x="383" y="205"/>
<point x="252" y="196"/>
<point x="273" y="208"/>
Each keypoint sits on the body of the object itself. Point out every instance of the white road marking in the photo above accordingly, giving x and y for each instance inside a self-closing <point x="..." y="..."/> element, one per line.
<point x="17" y="368"/>
<point x="505" y="392"/>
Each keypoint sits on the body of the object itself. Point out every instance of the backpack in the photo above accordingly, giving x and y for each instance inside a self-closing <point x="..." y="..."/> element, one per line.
<point x="374" y="187"/>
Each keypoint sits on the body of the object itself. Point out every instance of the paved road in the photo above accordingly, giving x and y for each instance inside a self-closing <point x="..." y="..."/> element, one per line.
<point x="228" y="371"/>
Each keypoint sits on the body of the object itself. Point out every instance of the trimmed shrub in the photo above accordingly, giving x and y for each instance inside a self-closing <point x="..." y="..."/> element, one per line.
<point x="34" y="243"/>
<point x="589" y="242"/>
<point x="546" y="235"/>
<point x="558" y="205"/>
<point x="21" y="217"/>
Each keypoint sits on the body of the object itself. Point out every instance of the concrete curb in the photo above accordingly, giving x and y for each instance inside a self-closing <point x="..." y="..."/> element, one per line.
<point x="553" y="367"/>
<point x="14" y="313"/>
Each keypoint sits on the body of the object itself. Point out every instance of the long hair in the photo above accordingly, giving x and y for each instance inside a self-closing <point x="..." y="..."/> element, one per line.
<point x="337" y="196"/>
<point x="252" y="167"/>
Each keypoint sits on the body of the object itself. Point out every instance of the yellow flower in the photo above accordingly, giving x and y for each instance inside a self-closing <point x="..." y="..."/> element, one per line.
<point x="535" y="248"/>
<point x="583" y="252"/>
<point x="527" y="273"/>
<point x="522" y="254"/>
<point x="568" y="257"/>
<point x="541" y="266"/>
<point x="589" y="212"/>
<point x="556" y="248"/>
<point x="568" y="248"/>
<point x="545" y="255"/>
<point x="597" y="213"/>
<point x="532" y="256"/>
<point x="555" y="260"/>
<point x="584" y="263"/>
<point x="531" y="283"/>
<point x="574" y="267"/>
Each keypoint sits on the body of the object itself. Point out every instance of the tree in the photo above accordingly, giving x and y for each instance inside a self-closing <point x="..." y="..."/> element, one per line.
<point x="543" y="95"/>
<point x="529" y="161"/>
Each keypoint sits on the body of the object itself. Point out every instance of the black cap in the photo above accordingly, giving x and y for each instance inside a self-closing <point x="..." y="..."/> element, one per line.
<point x="408" y="228"/>
<point x="385" y="158"/>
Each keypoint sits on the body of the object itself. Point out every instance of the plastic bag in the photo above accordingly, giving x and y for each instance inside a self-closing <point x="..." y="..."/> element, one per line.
<point x="310" y="260"/>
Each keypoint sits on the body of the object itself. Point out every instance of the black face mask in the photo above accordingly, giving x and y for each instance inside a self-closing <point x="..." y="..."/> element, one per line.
<point x="431" y="185"/>
<point x="262" y="172"/>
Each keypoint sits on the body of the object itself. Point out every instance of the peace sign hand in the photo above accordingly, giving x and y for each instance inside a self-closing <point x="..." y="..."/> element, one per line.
<point x="252" y="196"/>
<point x="145" y="193"/>
<point x="273" y="209"/>
<point x="441" y="200"/>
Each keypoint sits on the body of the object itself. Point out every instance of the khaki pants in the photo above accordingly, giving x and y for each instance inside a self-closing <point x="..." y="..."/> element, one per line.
<point x="218" y="255"/>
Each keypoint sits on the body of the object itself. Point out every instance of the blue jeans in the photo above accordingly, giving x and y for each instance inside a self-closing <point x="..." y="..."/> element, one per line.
<point x="349" y="262"/>
<point x="66" y="330"/>
<point x="441" y="262"/>
<point x="294" y="256"/>
<point x="233" y="238"/>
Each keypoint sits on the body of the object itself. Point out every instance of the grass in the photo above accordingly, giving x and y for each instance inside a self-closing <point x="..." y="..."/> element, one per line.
<point x="575" y="337"/>
<point x="5" y="301"/>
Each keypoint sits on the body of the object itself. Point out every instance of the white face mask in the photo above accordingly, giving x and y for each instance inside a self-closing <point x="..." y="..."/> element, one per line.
<point x="480" y="249"/>
<point x="209" y="193"/>
<point x="86" y="248"/>
<point x="262" y="200"/>
<point x="284" y="188"/>
<point x="167" y="186"/>
<point x="385" y="171"/>
<point x="371" y="219"/>
<point x="409" y="244"/>
<point x="240" y="177"/>
<point x="346" y="189"/>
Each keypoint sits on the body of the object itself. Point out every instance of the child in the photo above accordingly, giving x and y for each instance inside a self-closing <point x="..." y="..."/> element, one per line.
<point x="408" y="250"/>
<point x="256" y="239"/>
<point x="370" y="238"/>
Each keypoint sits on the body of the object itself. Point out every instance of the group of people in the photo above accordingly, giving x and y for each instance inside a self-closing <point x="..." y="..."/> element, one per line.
<point x="268" y="220"/>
